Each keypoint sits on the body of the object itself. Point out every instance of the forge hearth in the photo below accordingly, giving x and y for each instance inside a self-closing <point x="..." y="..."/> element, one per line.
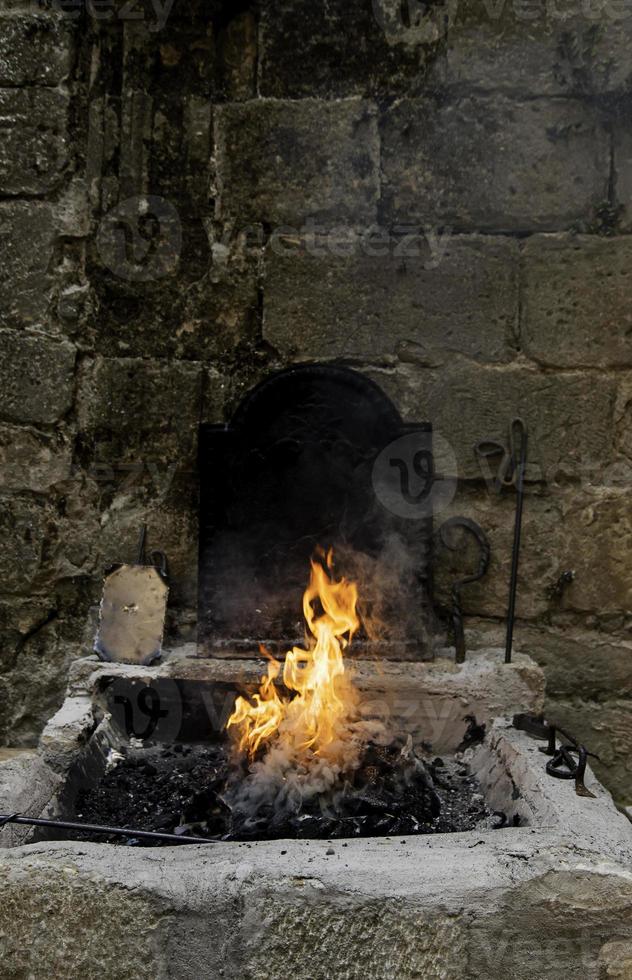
<point x="401" y="804"/>
<point x="547" y="897"/>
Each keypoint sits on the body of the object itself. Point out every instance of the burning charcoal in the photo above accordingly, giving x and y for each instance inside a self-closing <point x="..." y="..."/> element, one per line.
<point x="394" y="792"/>
<point x="353" y="826"/>
<point x="368" y="803"/>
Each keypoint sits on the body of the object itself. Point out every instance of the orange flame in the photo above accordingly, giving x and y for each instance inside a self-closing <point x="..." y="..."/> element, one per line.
<point x="314" y="717"/>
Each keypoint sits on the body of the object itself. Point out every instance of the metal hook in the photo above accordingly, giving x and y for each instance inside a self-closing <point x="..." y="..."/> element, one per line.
<point x="485" y="551"/>
<point x="518" y="441"/>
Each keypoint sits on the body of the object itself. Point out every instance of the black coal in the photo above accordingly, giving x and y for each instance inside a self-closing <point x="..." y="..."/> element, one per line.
<point x="186" y="789"/>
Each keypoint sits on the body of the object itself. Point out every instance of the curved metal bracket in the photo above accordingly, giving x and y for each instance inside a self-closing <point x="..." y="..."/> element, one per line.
<point x="465" y="524"/>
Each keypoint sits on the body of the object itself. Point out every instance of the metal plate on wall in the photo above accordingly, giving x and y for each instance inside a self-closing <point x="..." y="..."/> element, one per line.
<point x="132" y="615"/>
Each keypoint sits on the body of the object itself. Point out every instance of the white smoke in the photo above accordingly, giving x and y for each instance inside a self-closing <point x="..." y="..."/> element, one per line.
<point x="287" y="778"/>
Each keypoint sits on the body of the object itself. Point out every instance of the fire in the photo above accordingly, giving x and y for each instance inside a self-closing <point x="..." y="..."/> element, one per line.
<point x="314" y="717"/>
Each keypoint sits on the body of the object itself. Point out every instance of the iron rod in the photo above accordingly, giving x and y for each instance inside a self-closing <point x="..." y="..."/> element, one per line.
<point x="92" y="828"/>
<point x="521" y="464"/>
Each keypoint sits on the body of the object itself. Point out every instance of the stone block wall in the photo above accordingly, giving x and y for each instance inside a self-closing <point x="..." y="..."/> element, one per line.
<point x="193" y="195"/>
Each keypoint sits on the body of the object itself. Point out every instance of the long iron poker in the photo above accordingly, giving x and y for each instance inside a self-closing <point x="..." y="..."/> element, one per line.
<point x="518" y="448"/>
<point x="92" y="828"/>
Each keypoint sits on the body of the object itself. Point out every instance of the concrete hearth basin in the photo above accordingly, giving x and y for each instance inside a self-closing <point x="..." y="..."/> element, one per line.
<point x="550" y="898"/>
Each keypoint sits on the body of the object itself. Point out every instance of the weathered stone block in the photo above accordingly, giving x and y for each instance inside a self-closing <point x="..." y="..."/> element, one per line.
<point x="24" y="530"/>
<point x="34" y="50"/>
<point x="203" y="311"/>
<point x="325" y="49"/>
<point x="36" y="377"/>
<point x="579" y="662"/>
<point x="598" y="545"/>
<point x="605" y="52"/>
<point x="32" y="690"/>
<point x="615" y="959"/>
<point x="406" y="298"/>
<point x="281" y="162"/>
<point x="30" y="460"/>
<point x="569" y="416"/>
<point x="562" y="531"/>
<point x="540" y="49"/>
<point x="33" y="150"/>
<point x="623" y="174"/>
<point x="622" y="471"/>
<point x="19" y="620"/>
<point x="492" y="48"/>
<point x="137" y="411"/>
<point x="26" y="247"/>
<point x="493" y="163"/>
<point x="52" y="899"/>
<point x="590" y="535"/>
<point x="576" y="301"/>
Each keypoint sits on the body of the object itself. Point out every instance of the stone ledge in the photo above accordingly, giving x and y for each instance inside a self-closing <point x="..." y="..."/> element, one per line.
<point x="430" y="699"/>
<point x="447" y="907"/>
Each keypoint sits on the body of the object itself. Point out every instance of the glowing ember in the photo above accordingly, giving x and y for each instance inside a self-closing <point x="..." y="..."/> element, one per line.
<point x="315" y="718"/>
